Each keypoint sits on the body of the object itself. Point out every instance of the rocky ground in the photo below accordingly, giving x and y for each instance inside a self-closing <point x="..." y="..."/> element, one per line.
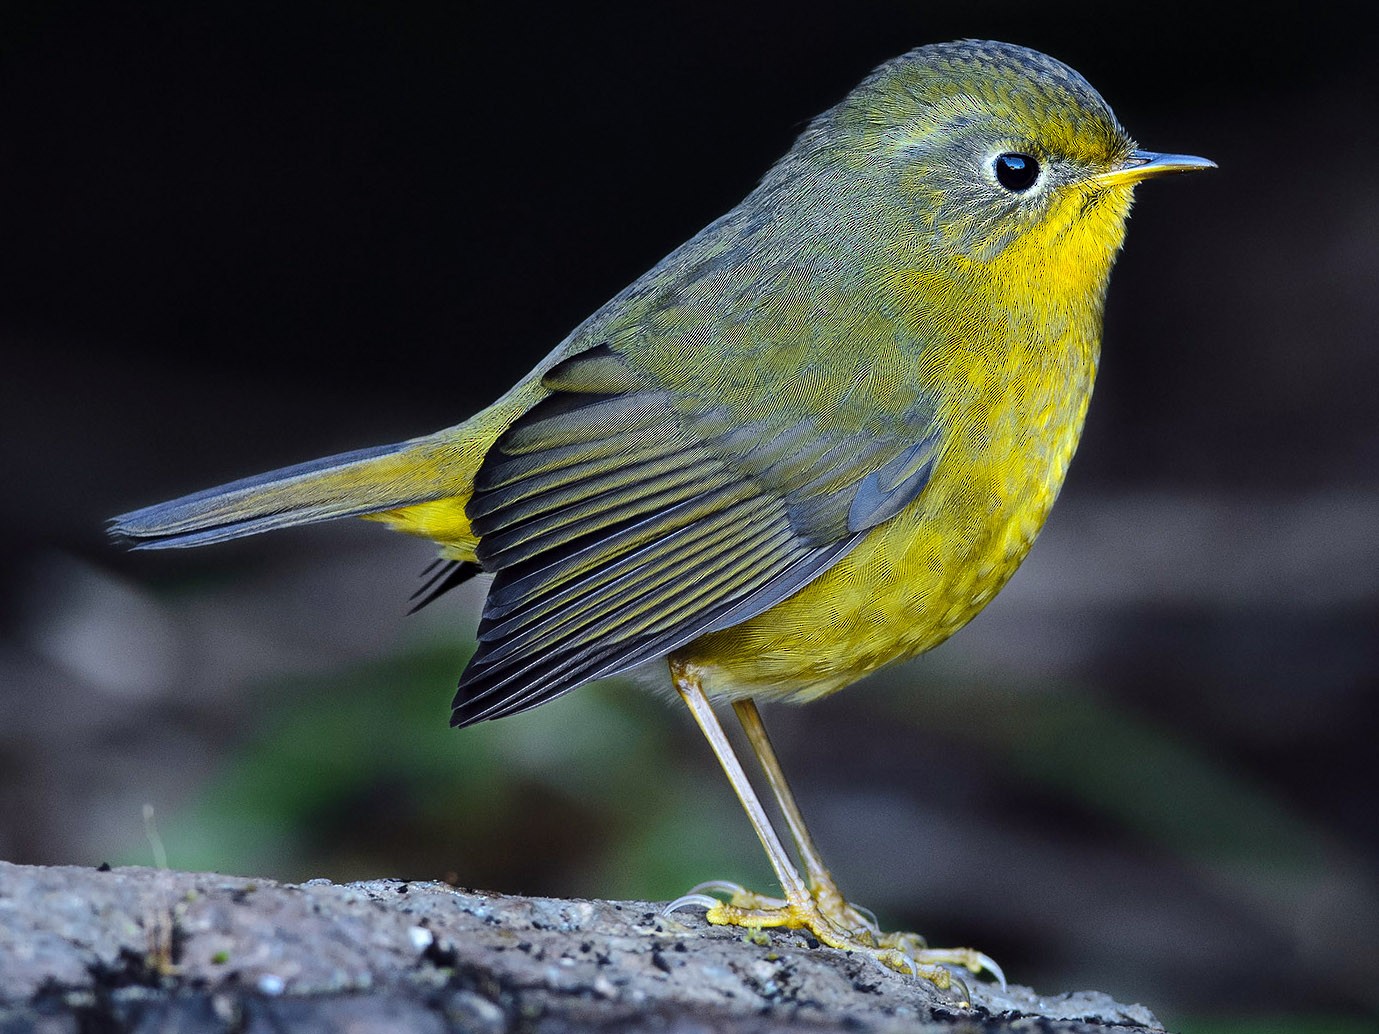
<point x="156" y="950"/>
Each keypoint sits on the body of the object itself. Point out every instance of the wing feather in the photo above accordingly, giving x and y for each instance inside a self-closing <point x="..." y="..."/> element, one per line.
<point x="622" y="520"/>
<point x="594" y="595"/>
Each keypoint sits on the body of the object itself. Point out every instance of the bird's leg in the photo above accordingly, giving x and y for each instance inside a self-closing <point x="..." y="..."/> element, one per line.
<point x="822" y="887"/>
<point x="692" y="692"/>
<point x="821" y="883"/>
<point x="813" y="902"/>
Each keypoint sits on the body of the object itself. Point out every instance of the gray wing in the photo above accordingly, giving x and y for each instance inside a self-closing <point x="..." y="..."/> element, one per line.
<point x="623" y="521"/>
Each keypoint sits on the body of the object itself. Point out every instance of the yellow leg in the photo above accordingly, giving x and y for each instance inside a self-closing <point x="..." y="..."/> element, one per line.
<point x="813" y="901"/>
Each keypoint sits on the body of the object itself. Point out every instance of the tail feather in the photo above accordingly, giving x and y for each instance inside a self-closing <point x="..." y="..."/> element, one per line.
<point x="350" y="484"/>
<point x="440" y="577"/>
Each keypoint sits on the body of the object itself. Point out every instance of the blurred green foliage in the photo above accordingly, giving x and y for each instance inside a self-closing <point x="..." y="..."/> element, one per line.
<point x="348" y="776"/>
<point x="1157" y="783"/>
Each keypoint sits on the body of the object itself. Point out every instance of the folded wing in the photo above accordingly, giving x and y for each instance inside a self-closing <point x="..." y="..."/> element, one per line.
<point x="623" y="520"/>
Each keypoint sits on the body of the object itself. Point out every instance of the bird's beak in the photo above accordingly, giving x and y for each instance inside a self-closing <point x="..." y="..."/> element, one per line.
<point x="1143" y="165"/>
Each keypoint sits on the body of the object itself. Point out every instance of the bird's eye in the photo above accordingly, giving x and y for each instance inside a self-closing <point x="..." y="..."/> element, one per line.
<point x="1016" y="172"/>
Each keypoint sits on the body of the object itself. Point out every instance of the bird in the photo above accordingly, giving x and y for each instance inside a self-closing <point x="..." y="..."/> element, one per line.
<point x="813" y="441"/>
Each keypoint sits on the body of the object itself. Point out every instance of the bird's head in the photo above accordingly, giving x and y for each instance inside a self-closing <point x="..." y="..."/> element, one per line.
<point x="975" y="152"/>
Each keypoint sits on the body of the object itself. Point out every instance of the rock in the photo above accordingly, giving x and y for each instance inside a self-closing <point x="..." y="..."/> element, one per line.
<point x="155" y="950"/>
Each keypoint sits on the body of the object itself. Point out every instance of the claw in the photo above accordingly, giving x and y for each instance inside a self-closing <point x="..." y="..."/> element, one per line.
<point x="988" y="964"/>
<point x="963" y="995"/>
<point x="968" y="958"/>
<point x="689" y="901"/>
<point x="847" y="927"/>
<point x="738" y="896"/>
<point x="868" y="915"/>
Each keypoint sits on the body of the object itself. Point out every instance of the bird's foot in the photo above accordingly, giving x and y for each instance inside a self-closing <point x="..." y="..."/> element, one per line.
<point x="833" y="921"/>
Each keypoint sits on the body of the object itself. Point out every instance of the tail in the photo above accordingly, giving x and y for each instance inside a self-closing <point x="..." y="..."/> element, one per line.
<point x="419" y="486"/>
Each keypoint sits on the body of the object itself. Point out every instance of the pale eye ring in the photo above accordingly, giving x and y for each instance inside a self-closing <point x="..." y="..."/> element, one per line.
<point x="1015" y="171"/>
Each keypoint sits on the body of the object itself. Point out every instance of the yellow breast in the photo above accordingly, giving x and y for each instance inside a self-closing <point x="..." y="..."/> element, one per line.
<point x="1014" y="410"/>
<point x="918" y="578"/>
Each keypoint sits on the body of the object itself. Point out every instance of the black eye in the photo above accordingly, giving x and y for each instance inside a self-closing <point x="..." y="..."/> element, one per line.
<point x="1016" y="172"/>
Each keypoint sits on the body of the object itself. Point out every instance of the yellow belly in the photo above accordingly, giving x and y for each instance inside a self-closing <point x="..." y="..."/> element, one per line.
<point x="921" y="576"/>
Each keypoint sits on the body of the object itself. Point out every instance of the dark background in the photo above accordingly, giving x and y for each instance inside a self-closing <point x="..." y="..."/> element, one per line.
<point x="234" y="237"/>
